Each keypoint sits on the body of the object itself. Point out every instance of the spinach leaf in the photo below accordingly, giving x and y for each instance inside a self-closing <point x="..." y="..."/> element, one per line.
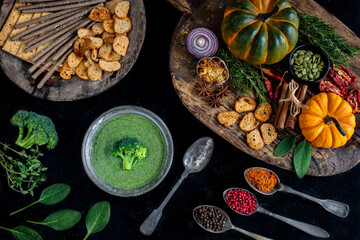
<point x="285" y="146"/>
<point x="23" y="233"/>
<point x="302" y="158"/>
<point x="97" y="218"/>
<point x="50" y="196"/>
<point x="61" y="220"/>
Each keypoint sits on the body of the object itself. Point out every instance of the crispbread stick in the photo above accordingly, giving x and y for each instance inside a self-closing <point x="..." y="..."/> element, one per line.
<point x="59" y="8"/>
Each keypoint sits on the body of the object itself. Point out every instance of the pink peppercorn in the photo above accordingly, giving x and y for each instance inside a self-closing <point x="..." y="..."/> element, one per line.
<point x="241" y="201"/>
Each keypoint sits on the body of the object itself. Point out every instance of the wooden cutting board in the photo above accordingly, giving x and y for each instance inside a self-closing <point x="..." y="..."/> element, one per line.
<point x="325" y="162"/>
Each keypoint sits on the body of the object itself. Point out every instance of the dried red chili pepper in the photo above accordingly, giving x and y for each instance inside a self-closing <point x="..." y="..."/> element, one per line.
<point x="327" y="85"/>
<point x="278" y="88"/>
<point x="273" y="75"/>
<point x="354" y="99"/>
<point x="269" y="88"/>
<point x="342" y="76"/>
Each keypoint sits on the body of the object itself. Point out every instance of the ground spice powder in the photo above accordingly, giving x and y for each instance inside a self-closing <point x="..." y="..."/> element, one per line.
<point x="262" y="179"/>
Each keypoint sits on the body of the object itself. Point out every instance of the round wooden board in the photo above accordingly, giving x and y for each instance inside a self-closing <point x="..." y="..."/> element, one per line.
<point x="325" y="162"/>
<point x="74" y="89"/>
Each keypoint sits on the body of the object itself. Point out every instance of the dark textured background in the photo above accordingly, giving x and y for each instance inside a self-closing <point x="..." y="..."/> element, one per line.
<point x="149" y="85"/>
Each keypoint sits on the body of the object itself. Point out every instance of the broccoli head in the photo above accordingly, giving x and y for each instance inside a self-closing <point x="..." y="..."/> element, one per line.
<point x="39" y="129"/>
<point x="130" y="151"/>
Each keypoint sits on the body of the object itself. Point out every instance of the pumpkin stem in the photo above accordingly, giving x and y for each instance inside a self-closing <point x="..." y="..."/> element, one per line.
<point x="264" y="16"/>
<point x="329" y="120"/>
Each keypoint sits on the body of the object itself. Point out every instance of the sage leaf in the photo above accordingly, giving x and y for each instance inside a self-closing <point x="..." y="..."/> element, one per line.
<point x="61" y="220"/>
<point x="285" y="146"/>
<point x="302" y="158"/>
<point x="23" y="233"/>
<point x="50" y="196"/>
<point x="97" y="218"/>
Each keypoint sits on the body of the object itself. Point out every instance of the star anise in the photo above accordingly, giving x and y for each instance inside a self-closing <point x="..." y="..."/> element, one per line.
<point x="223" y="91"/>
<point x="215" y="102"/>
<point x="204" y="89"/>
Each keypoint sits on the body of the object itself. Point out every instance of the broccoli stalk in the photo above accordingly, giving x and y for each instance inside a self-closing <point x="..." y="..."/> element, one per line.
<point x="40" y="130"/>
<point x="130" y="151"/>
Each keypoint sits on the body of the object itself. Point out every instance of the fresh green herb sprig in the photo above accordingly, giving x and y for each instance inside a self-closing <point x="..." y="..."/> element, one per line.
<point x="302" y="153"/>
<point x="60" y="220"/>
<point x="243" y="77"/>
<point x="23" y="233"/>
<point x="316" y="31"/>
<point x="23" y="169"/>
<point x="97" y="218"/>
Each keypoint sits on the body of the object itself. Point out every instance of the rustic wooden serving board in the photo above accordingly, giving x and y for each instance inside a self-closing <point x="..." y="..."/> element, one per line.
<point x="76" y="88"/>
<point x="325" y="162"/>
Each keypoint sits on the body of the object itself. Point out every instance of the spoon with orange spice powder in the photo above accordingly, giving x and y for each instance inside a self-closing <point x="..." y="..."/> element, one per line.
<point x="266" y="182"/>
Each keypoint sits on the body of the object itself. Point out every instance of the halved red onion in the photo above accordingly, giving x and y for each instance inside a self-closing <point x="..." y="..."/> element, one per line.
<point x="202" y="42"/>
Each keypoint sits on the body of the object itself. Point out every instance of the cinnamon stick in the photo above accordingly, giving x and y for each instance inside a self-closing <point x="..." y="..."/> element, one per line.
<point x="67" y="41"/>
<point x="59" y="8"/>
<point x="51" y="24"/>
<point x="44" y="18"/>
<point x="283" y="113"/>
<point x="49" y="4"/>
<point x="284" y="91"/>
<point x="301" y="93"/>
<point x="53" y="69"/>
<point x="74" y="26"/>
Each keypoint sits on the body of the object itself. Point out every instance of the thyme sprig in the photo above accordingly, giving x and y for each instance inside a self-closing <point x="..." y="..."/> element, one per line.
<point x="23" y="169"/>
<point x="243" y="77"/>
<point x="316" y="31"/>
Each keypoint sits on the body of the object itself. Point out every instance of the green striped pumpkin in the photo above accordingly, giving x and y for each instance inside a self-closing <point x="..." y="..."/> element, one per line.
<point x="260" y="31"/>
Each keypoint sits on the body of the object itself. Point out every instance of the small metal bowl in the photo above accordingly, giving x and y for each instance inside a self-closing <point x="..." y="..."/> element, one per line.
<point x="314" y="49"/>
<point x="99" y="122"/>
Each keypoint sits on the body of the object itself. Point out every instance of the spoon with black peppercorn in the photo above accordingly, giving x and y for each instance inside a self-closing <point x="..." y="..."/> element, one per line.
<point x="216" y="220"/>
<point x="337" y="208"/>
<point x="195" y="159"/>
<point x="245" y="203"/>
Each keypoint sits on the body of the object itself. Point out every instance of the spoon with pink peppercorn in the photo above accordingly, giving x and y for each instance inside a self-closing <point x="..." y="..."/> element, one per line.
<point x="337" y="208"/>
<point x="245" y="203"/>
<point x="216" y="220"/>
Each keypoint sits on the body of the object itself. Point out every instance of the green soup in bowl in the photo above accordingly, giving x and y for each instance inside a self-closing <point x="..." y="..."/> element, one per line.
<point x="106" y="170"/>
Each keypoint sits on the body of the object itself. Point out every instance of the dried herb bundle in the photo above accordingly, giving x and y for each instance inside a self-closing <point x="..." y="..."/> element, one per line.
<point x="316" y="31"/>
<point x="243" y="77"/>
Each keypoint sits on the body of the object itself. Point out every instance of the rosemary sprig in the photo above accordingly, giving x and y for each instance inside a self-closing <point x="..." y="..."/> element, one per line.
<point x="243" y="77"/>
<point x="316" y="31"/>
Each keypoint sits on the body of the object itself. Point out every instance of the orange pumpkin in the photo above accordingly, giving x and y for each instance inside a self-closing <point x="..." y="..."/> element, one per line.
<point x="328" y="122"/>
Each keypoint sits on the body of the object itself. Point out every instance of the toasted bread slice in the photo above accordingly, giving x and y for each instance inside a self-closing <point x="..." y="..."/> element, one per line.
<point x="111" y="5"/>
<point x="74" y="60"/>
<point x="66" y="71"/>
<point x="122" y="9"/>
<point x="81" y="70"/>
<point x="254" y="140"/>
<point x="105" y="51"/>
<point x="96" y="42"/>
<point x="268" y="132"/>
<point x="109" y="66"/>
<point x="107" y="35"/>
<point x="263" y="112"/>
<point x="83" y="32"/>
<point x="122" y="25"/>
<point x="248" y="122"/>
<point x="94" y="55"/>
<point x="121" y="45"/>
<point x="94" y="73"/>
<point x="108" y="26"/>
<point x="227" y="118"/>
<point x="100" y="14"/>
<point x="114" y="56"/>
<point x="81" y="46"/>
<point x="109" y="40"/>
<point x="97" y="28"/>
<point x="245" y="104"/>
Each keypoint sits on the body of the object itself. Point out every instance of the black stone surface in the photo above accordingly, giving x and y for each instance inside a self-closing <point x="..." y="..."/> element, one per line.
<point x="149" y="85"/>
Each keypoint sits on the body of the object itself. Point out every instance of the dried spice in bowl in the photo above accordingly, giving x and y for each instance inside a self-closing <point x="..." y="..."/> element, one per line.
<point x="210" y="218"/>
<point x="262" y="179"/>
<point x="241" y="201"/>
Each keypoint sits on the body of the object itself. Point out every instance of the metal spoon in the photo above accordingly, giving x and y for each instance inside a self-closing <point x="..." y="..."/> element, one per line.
<point x="305" y="227"/>
<point x="337" y="208"/>
<point x="195" y="159"/>
<point x="228" y="225"/>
